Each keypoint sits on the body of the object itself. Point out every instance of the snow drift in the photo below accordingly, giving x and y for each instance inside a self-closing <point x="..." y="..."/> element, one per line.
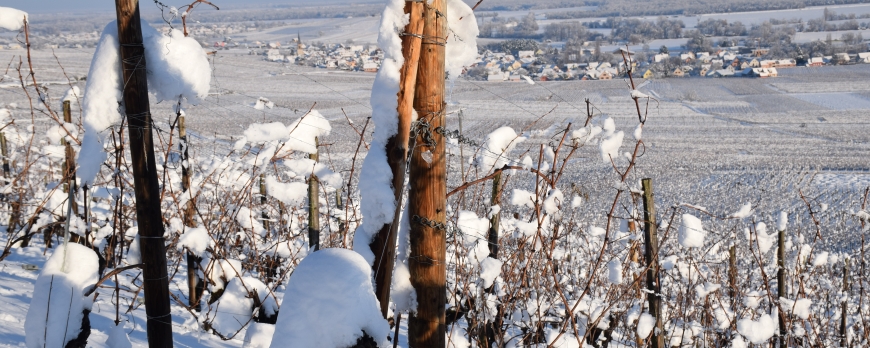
<point x="329" y="302"/>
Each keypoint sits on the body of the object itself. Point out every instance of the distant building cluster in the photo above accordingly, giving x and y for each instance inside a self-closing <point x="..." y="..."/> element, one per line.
<point x="347" y="56"/>
<point x="544" y="64"/>
<point x="498" y="66"/>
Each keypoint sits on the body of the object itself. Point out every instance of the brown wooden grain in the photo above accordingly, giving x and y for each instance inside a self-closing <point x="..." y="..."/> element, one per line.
<point x="653" y="282"/>
<point x="428" y="190"/>
<point x="314" y="205"/>
<point x="146" y="186"/>
<point x="69" y="163"/>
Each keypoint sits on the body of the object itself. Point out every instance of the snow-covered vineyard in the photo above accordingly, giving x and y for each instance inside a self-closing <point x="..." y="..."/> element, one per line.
<point x="273" y="182"/>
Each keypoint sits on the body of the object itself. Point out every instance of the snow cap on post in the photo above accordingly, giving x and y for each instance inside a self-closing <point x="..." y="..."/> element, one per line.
<point x="12" y="19"/>
<point x="498" y="145"/>
<point x="691" y="232"/>
<point x="177" y="68"/>
<point x="377" y="202"/>
<point x="100" y="105"/>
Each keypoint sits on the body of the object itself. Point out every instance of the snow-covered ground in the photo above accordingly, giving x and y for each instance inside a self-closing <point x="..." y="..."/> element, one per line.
<point x="717" y="143"/>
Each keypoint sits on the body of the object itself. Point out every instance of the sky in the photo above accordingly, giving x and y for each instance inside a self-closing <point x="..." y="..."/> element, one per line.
<point x="80" y="6"/>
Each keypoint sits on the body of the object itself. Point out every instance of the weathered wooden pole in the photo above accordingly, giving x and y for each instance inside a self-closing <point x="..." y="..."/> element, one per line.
<point x="313" y="206"/>
<point x="780" y="285"/>
<point x="189" y="208"/>
<point x="4" y="150"/>
<point x="69" y="163"/>
<point x="732" y="274"/>
<point x="194" y="285"/>
<point x="384" y="243"/>
<point x="146" y="186"/>
<point x="14" y="203"/>
<point x="651" y="251"/>
<point x="844" y="325"/>
<point x="427" y="197"/>
<point x="263" y="215"/>
<point x="495" y="199"/>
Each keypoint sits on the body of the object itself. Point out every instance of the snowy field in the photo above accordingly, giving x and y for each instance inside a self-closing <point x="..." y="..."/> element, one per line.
<point x="713" y="143"/>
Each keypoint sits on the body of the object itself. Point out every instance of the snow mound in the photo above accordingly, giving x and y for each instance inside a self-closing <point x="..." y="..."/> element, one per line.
<point x="610" y="146"/>
<point x="12" y="19"/>
<point x="645" y="325"/>
<point x="498" y="145"/>
<point x="490" y="269"/>
<point x="196" y="240"/>
<point x="744" y="211"/>
<point x="118" y="337"/>
<point x="297" y="136"/>
<point x="293" y="193"/>
<point x="235" y="308"/>
<point x="55" y="314"/>
<point x="304" y="167"/>
<point x="757" y="331"/>
<point x="265" y="132"/>
<point x="461" y="48"/>
<point x="73" y="95"/>
<point x="100" y="106"/>
<point x="329" y="302"/>
<point x="614" y="271"/>
<point x="691" y="232"/>
<point x="177" y="68"/>
<point x="765" y="241"/>
<point x="474" y="233"/>
<point x="259" y="335"/>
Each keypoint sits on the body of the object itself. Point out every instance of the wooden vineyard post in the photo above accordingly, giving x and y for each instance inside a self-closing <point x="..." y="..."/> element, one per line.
<point x="780" y="284"/>
<point x="146" y="186"/>
<point x="427" y="197"/>
<point x="844" y="324"/>
<point x="69" y="163"/>
<point x="263" y="215"/>
<point x="4" y="150"/>
<point x="194" y="285"/>
<point x="495" y="199"/>
<point x="313" y="206"/>
<point x="383" y="245"/>
<point x="14" y="205"/>
<point x="651" y="251"/>
<point x="732" y="274"/>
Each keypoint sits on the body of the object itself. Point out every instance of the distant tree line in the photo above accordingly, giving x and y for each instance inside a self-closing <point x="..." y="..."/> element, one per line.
<point x="500" y="27"/>
<point x="636" y="30"/>
<point x="721" y="27"/>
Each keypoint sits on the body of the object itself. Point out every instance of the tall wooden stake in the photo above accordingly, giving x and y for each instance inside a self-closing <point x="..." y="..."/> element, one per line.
<point x="69" y="163"/>
<point x="844" y="337"/>
<point x="780" y="285"/>
<point x="384" y="243"/>
<point x="651" y="251"/>
<point x="194" y="285"/>
<point x="263" y="214"/>
<point x="427" y="198"/>
<point x="732" y="274"/>
<point x="14" y="203"/>
<point x="313" y="206"/>
<point x="492" y="238"/>
<point x="146" y="186"/>
<point x="4" y="150"/>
